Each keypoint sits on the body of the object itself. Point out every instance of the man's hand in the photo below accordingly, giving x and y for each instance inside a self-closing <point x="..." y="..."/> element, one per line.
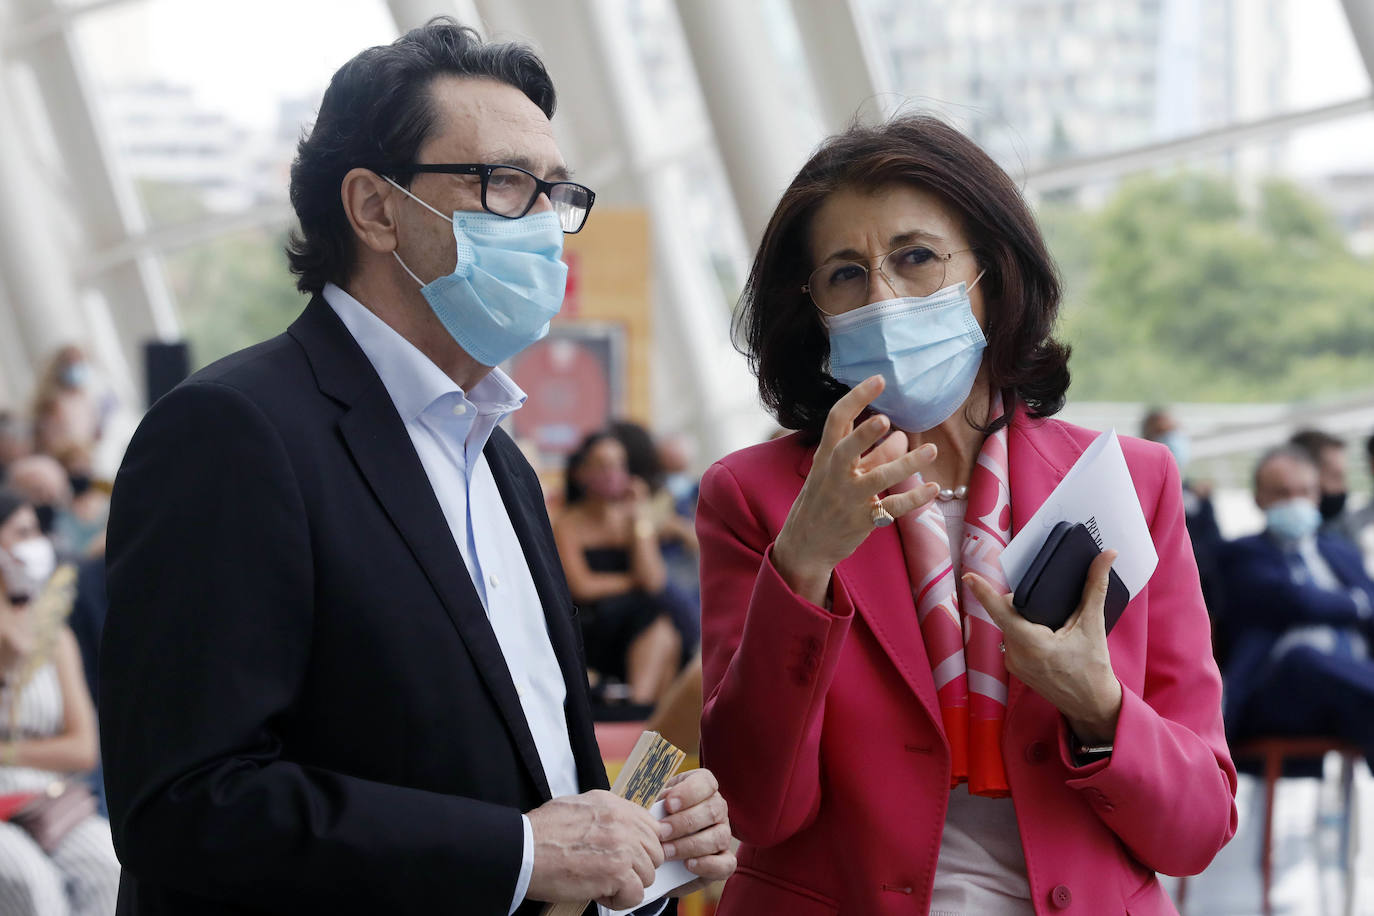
<point x="697" y="828"/>
<point x="593" y="846"/>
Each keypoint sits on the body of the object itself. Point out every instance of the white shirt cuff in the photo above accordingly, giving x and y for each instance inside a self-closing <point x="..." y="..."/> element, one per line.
<point x="522" y="883"/>
<point x="662" y="905"/>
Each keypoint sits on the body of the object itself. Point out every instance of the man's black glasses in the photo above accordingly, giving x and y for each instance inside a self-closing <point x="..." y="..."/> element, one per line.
<point x="510" y="191"/>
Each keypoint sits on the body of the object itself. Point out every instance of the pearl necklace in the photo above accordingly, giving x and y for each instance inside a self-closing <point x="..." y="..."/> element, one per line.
<point x="946" y="494"/>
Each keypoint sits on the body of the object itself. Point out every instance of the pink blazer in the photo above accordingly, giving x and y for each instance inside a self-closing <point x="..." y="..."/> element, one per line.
<point x="824" y="729"/>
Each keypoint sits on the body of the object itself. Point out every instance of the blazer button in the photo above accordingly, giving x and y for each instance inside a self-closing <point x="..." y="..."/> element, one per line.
<point x="1060" y="897"/>
<point x="1037" y="752"/>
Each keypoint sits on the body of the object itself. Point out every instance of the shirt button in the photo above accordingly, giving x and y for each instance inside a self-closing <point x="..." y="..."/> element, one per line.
<point x="1060" y="897"/>
<point x="1037" y="752"/>
<point x="493" y="581"/>
<point x="459" y="409"/>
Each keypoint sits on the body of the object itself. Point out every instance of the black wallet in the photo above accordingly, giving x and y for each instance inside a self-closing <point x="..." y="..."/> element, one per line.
<point x="1052" y="587"/>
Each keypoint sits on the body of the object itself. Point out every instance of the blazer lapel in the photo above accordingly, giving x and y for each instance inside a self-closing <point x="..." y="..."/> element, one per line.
<point x="381" y="447"/>
<point x="525" y="506"/>
<point x="875" y="578"/>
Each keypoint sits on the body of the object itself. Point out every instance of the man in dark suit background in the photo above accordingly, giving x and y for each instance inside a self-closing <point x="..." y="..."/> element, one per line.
<point x="341" y="670"/>
<point x="1301" y="613"/>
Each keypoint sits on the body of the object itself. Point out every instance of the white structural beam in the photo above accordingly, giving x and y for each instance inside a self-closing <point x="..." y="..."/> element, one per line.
<point x="410" y="14"/>
<point x="35" y="276"/>
<point x="107" y="209"/>
<point x="1078" y="172"/>
<point x="849" y="81"/>
<point x="1360" y="14"/>
<point x="747" y="103"/>
<point x="603" y="125"/>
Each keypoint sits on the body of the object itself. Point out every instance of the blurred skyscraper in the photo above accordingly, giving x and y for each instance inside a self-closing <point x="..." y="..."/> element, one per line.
<point x="1036" y="81"/>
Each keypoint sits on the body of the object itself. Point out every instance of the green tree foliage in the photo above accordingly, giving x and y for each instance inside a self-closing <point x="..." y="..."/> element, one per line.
<point x="233" y="292"/>
<point x="1176" y="290"/>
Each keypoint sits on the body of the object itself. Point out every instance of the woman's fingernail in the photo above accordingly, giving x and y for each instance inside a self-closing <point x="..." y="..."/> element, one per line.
<point x="928" y="450"/>
<point x="691" y="864"/>
<point x="669" y="850"/>
<point x="665" y="829"/>
<point x="674" y="804"/>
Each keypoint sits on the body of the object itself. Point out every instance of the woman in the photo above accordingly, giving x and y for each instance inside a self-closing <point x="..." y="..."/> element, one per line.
<point x="47" y="733"/>
<point x="67" y="417"/>
<point x="609" y="547"/>
<point x="890" y="735"/>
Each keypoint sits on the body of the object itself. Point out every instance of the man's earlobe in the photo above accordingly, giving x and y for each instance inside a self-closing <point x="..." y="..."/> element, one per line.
<point x="366" y="197"/>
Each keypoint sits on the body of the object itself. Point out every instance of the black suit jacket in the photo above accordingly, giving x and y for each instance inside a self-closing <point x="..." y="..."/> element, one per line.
<point x="303" y="705"/>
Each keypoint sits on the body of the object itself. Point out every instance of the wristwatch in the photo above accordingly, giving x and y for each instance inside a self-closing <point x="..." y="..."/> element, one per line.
<point x="1084" y="754"/>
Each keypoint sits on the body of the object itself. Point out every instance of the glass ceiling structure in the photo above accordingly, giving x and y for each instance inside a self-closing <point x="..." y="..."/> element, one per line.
<point x="142" y="140"/>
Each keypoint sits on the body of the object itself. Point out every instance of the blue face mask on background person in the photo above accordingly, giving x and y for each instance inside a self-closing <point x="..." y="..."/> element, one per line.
<point x="508" y="283"/>
<point x="926" y="348"/>
<point x="1293" y="519"/>
<point x="1177" y="443"/>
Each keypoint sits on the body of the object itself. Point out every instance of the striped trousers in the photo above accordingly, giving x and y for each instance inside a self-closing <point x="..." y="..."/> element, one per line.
<point x="80" y="878"/>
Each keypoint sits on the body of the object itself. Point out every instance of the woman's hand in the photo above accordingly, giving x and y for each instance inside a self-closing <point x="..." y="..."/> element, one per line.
<point x="833" y="514"/>
<point x="1071" y="667"/>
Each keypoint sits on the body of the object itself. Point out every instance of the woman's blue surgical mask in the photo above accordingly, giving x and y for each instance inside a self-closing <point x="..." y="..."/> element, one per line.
<point x="927" y="349"/>
<point x="507" y="285"/>
<point x="1293" y="519"/>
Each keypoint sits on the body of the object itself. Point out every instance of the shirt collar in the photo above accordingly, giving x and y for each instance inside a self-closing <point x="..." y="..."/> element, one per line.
<point x="411" y="378"/>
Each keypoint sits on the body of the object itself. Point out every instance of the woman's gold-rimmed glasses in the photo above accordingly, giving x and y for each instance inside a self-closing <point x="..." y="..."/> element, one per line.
<point x="912" y="270"/>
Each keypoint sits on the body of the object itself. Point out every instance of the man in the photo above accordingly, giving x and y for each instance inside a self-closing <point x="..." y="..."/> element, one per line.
<point x="341" y="659"/>
<point x="1300" y="611"/>
<point x="1160" y="425"/>
<point x="1328" y="453"/>
<point x="1362" y="519"/>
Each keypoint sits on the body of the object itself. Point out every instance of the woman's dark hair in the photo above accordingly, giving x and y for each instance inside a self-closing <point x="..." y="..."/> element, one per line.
<point x="376" y="113"/>
<point x="572" y="490"/>
<point x="780" y="330"/>
<point x="641" y="452"/>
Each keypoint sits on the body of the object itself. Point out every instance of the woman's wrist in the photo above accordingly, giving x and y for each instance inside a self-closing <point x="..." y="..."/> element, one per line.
<point x="1097" y="725"/>
<point x="810" y="581"/>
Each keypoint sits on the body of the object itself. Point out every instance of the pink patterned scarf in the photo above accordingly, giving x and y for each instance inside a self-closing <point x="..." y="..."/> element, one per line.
<point x="961" y="639"/>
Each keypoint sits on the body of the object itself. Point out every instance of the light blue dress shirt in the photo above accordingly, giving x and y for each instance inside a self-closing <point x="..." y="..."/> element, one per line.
<point x="449" y="428"/>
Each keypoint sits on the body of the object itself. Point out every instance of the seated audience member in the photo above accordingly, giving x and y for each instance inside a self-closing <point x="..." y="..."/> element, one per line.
<point x="47" y="734"/>
<point x="1300" y="614"/>
<point x="1362" y="519"/>
<point x="1160" y="426"/>
<point x="615" y="571"/>
<point x="675" y="457"/>
<point x="43" y="482"/>
<point x="677" y="536"/>
<point x="67" y="414"/>
<point x="15" y="441"/>
<point x="1328" y="454"/>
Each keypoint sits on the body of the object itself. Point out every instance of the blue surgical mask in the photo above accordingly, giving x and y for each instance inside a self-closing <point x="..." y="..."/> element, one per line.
<point x="75" y="375"/>
<point x="927" y="349"/>
<point x="507" y="285"/>
<point x="1179" y="444"/>
<point x="1293" y="519"/>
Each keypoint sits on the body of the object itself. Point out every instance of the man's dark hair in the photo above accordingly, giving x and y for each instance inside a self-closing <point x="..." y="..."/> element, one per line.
<point x="780" y="330"/>
<point x="1149" y="424"/>
<point x="376" y="114"/>
<point x="1315" y="442"/>
<point x="1288" y="450"/>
